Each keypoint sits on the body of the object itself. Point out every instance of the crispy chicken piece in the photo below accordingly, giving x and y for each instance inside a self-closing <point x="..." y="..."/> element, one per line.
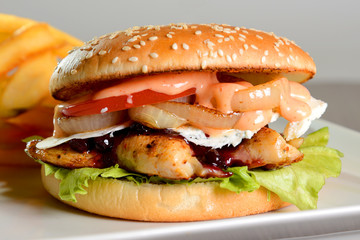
<point x="268" y="149"/>
<point x="64" y="156"/>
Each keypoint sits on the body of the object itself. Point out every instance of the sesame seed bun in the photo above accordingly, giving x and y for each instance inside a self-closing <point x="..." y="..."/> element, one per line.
<point x="178" y="47"/>
<point x="166" y="203"/>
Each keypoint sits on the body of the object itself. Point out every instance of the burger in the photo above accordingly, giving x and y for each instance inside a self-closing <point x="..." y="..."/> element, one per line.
<point x="172" y="123"/>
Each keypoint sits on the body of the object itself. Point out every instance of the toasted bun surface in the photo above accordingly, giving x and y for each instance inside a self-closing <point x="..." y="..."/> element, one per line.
<point x="166" y="203"/>
<point x="177" y="47"/>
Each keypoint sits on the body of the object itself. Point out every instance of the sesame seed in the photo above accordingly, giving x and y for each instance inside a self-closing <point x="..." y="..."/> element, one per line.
<point x="205" y="54"/>
<point x="133" y="39"/>
<point x="241" y="51"/>
<point x="104" y="110"/>
<point x="276" y="49"/>
<point x="185" y="46"/>
<point x="73" y="71"/>
<point x="193" y="27"/>
<point x="280" y="54"/>
<point x="228" y="58"/>
<point x="220" y="52"/>
<point x="114" y="35"/>
<point x="172" y="33"/>
<point x="133" y="59"/>
<point x="153" y="38"/>
<point x="154" y="55"/>
<point x="246" y="46"/>
<point x="277" y="64"/>
<point x="174" y="46"/>
<point x="263" y="59"/>
<point x="227" y="39"/>
<point x="291" y="57"/>
<point x="102" y="52"/>
<point x="115" y="59"/>
<point x="241" y="39"/>
<point x="219" y="35"/>
<point x="203" y="64"/>
<point x="211" y="54"/>
<point x="220" y="40"/>
<point x="242" y="35"/>
<point x="259" y="37"/>
<point x="142" y="43"/>
<point x="144" y="68"/>
<point x="137" y="46"/>
<point x="157" y="27"/>
<point x="290" y="48"/>
<point x="144" y="34"/>
<point x="288" y="60"/>
<point x="244" y="31"/>
<point x="232" y="37"/>
<point x="198" y="32"/>
<point x="169" y="35"/>
<point x="266" y="52"/>
<point x="237" y="28"/>
<point x="234" y="56"/>
<point x="254" y="47"/>
<point x="89" y="55"/>
<point x="126" y="48"/>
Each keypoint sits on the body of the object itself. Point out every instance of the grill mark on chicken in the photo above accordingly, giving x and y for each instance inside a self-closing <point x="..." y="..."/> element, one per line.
<point x="66" y="157"/>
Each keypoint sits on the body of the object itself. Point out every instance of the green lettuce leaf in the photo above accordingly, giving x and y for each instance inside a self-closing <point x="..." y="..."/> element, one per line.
<point x="298" y="184"/>
<point x="74" y="181"/>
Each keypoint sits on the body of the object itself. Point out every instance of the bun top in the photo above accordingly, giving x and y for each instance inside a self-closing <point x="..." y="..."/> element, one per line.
<point x="136" y="51"/>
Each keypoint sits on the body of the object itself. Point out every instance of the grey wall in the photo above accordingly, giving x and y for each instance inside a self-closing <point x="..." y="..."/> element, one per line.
<point x="329" y="30"/>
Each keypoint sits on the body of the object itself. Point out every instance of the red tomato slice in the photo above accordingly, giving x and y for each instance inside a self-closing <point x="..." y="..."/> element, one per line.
<point x="112" y="104"/>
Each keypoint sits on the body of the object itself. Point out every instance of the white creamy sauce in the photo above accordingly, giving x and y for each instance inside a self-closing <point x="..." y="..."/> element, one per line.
<point x="297" y="129"/>
<point x="224" y="138"/>
<point x="53" y="141"/>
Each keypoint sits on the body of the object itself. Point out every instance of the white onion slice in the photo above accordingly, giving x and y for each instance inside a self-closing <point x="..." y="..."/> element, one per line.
<point x="72" y="125"/>
<point x="201" y="116"/>
<point x="155" y="117"/>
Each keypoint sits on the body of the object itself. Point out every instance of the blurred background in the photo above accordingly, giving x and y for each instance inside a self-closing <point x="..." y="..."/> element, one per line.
<point x="328" y="30"/>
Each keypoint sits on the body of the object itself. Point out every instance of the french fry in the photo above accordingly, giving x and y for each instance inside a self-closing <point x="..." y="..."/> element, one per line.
<point x="63" y="51"/>
<point x="4" y="36"/>
<point x="4" y="111"/>
<point x="29" y="52"/>
<point x="27" y="41"/>
<point x="10" y="23"/>
<point x="65" y="37"/>
<point x="29" y="84"/>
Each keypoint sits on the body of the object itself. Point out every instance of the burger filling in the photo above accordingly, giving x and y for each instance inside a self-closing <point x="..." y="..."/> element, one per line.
<point x="181" y="126"/>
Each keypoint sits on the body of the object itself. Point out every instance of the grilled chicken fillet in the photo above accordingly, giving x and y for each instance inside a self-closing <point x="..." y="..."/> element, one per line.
<point x="173" y="157"/>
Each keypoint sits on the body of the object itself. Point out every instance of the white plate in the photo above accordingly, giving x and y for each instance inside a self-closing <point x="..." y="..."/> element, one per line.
<point x="28" y="212"/>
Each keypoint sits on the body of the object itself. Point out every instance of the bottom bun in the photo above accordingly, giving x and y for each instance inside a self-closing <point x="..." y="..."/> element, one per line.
<point x="166" y="203"/>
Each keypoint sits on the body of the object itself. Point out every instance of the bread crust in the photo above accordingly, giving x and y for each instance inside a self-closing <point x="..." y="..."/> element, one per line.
<point x="166" y="203"/>
<point x="177" y="47"/>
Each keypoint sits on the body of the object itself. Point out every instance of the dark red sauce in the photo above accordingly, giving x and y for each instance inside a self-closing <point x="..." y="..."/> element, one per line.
<point x="214" y="159"/>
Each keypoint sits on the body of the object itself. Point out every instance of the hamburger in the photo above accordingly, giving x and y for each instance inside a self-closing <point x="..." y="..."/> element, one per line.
<point x="172" y="123"/>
